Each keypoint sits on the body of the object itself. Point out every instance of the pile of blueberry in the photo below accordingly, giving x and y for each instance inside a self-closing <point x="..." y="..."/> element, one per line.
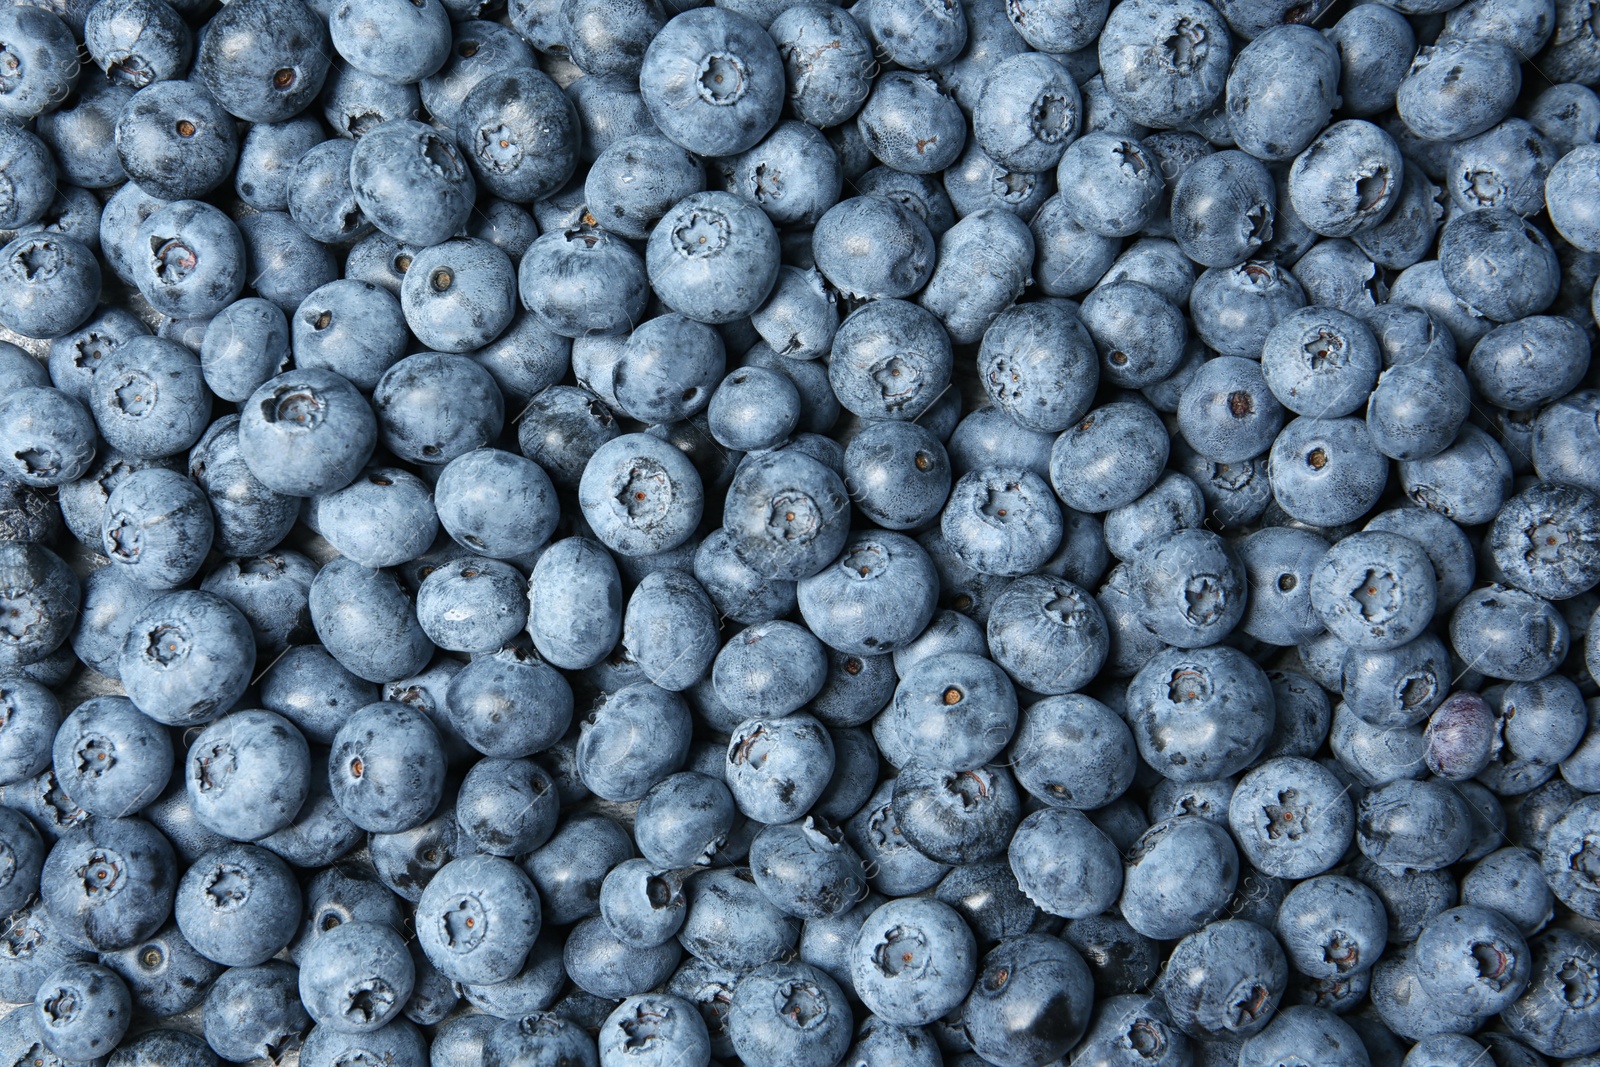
<point x="592" y="533"/>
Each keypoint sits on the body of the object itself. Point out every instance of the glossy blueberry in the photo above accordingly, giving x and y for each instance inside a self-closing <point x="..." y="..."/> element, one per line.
<point x="1031" y="1001"/>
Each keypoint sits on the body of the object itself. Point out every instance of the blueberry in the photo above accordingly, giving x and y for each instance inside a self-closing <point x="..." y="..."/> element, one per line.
<point x="572" y="572"/>
<point x="367" y="622"/>
<point x="1031" y="1001"/>
<point x="634" y="739"/>
<point x="789" y="1013"/>
<point x="109" y="884"/>
<point x="238" y="905"/>
<point x="82" y="1011"/>
<point x="255" y="1011"/>
<point x="641" y="495"/>
<point x="713" y="81"/>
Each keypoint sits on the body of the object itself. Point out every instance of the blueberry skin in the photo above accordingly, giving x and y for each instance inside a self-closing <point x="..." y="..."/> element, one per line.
<point x="752" y="409"/>
<point x="238" y="905"/>
<point x="1562" y="436"/>
<point x="1422" y="825"/>
<point x="356" y="977"/>
<point x="898" y="474"/>
<point x="265" y="62"/>
<point x="158" y="153"/>
<point x="891" y="360"/>
<point x="581" y="281"/>
<point x="1542" y="1017"/>
<point x="472" y="605"/>
<point x="381" y="519"/>
<point x="766" y="491"/>
<point x="575" y="603"/>
<point x="1272" y="124"/>
<point x="1278" y="564"/>
<point x="82" y="1011"/>
<point x="1126" y="1024"/>
<point x="634" y="739"/>
<point x="1154" y="86"/>
<point x="1200" y="714"/>
<point x="1446" y="952"/>
<point x="139" y="869"/>
<point x="408" y="860"/>
<point x="285" y="263"/>
<point x="789" y="1013"/>
<point x="956" y="817"/>
<point x="1027" y="113"/>
<point x="1002" y="521"/>
<point x="1374" y="590"/>
<point x="24" y="850"/>
<point x="1418" y="408"/>
<point x="247" y="774"/>
<point x="527" y="358"/>
<point x="654" y="1030"/>
<point x="776" y="769"/>
<point x="894" y="265"/>
<point x="410" y="182"/>
<point x="268" y="153"/>
<point x="1566" y="193"/>
<point x="306" y="432"/>
<point x="912" y="124"/>
<point x="46" y="437"/>
<point x="31" y="173"/>
<point x="164" y="1048"/>
<point x="1110" y="458"/>
<point x="1066" y="865"/>
<point x="875" y="598"/>
<point x="80" y="136"/>
<point x="1048" y="634"/>
<point x="1460" y="735"/>
<point x="38" y="949"/>
<point x="1507" y="165"/>
<point x="713" y="81"/>
<point x="1039" y="365"/>
<point x="640" y="495"/>
<point x="636" y="180"/>
<point x="111" y="759"/>
<point x="913" y="961"/>
<point x="502" y="899"/>
<point x="320" y="833"/>
<point x="1332" y="925"/>
<point x="806" y="869"/>
<point x="1498" y="263"/>
<point x="1158" y="898"/>
<point x="1543" y="540"/>
<point x="399" y="1043"/>
<point x="955" y="710"/>
<point x="1467" y="482"/>
<point x="47" y="64"/>
<point x="1030" y="1003"/>
<point x="1302" y="1031"/>
<point x="246" y="343"/>
<point x="713" y="257"/>
<point x="415" y="428"/>
<point x="250" y="519"/>
<point x="1439" y="107"/>
<point x="1120" y="183"/>
<point x="1530" y="362"/>
<point x="983" y="267"/>
<point x="670" y="629"/>
<point x="826" y="85"/>
<point x="251" y="1010"/>
<point x="387" y="769"/>
<point x="533" y="1038"/>
<point x="1374" y="755"/>
<point x="1511" y="882"/>
<point x="1189" y="588"/>
<point x="367" y="622"/>
<point x="149" y="398"/>
<point x="683" y="820"/>
<point x="668" y="369"/>
<point x="1326" y="471"/>
<point x="42" y="595"/>
<point x="49" y="284"/>
<point x="519" y="133"/>
<point x="792" y="174"/>
<point x="1397" y="686"/>
<point x="1292" y="817"/>
<point x="1223" y="209"/>
<point x="1224" y="981"/>
<point x="321" y="200"/>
